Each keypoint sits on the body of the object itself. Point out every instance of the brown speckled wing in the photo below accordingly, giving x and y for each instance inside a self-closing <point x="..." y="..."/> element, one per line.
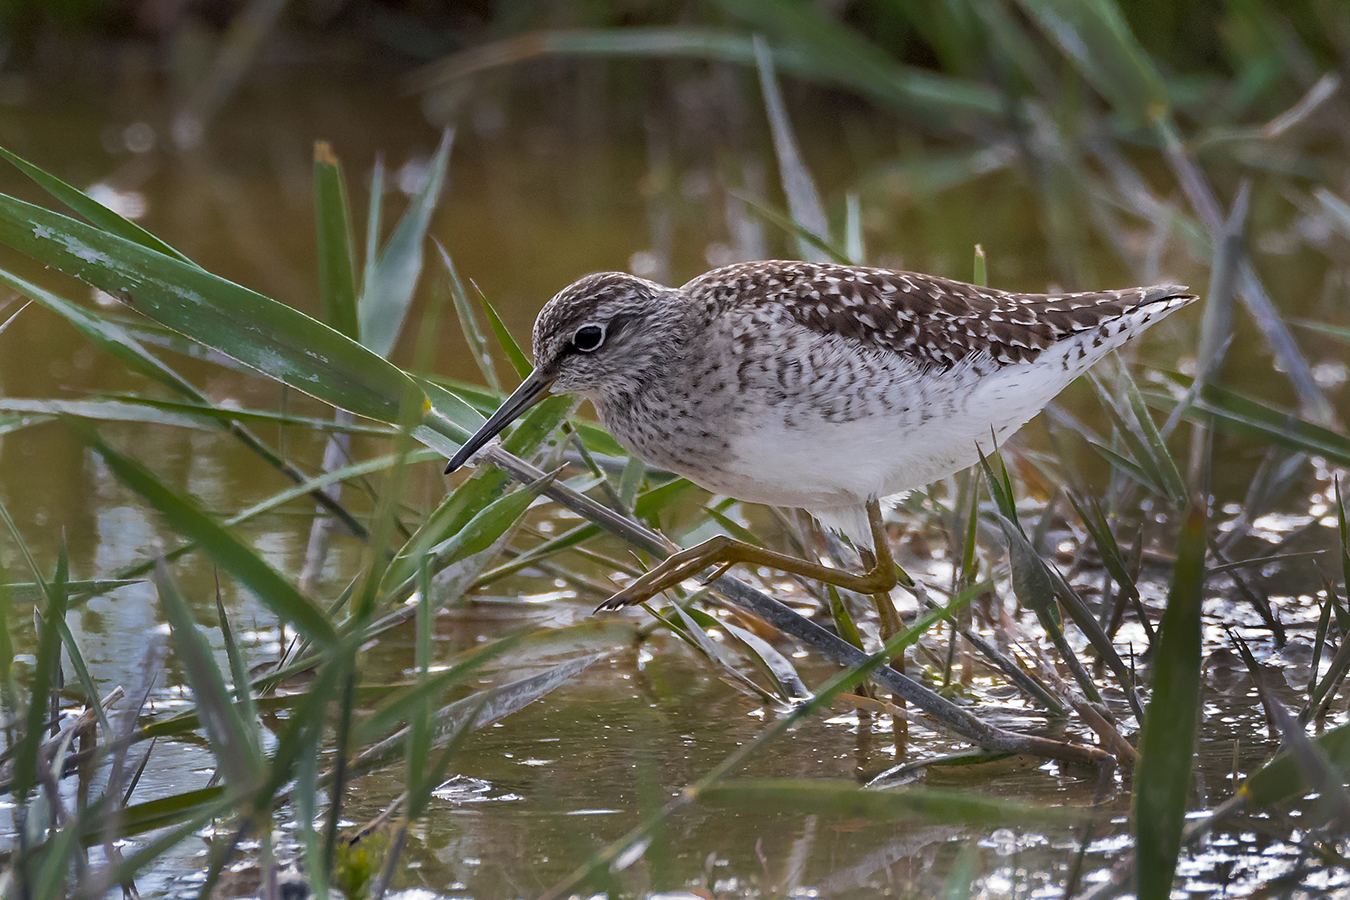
<point x="926" y="318"/>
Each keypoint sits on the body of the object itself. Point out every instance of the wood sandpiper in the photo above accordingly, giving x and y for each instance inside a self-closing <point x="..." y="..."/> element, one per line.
<point x="823" y="387"/>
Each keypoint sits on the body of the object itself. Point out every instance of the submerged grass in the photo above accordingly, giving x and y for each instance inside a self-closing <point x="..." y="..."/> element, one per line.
<point x="339" y="728"/>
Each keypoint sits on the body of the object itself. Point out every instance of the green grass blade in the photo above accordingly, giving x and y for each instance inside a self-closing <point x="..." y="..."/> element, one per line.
<point x="468" y="323"/>
<point x="1161" y="457"/>
<point x="1331" y="331"/>
<point x="1341" y="517"/>
<point x="827" y="46"/>
<point x="243" y="685"/>
<point x="474" y="497"/>
<point x="630" y="481"/>
<point x="105" y="334"/>
<point x="8" y="693"/>
<point x="519" y="361"/>
<point x="483" y="707"/>
<point x="790" y="226"/>
<point x="273" y="591"/>
<point x="374" y="214"/>
<point x="1130" y="468"/>
<point x="1283" y="778"/>
<point x="786" y="679"/>
<point x="384" y="306"/>
<point x="1000" y="489"/>
<point x="254" y="416"/>
<point x="337" y="246"/>
<point x="103" y="411"/>
<point x="1095" y="37"/>
<point x="843" y="620"/>
<point x="1239" y="415"/>
<point x="854" y="246"/>
<point x="60" y="584"/>
<point x="24" y="773"/>
<point x="1131" y="431"/>
<point x="808" y="44"/>
<point x="403" y="704"/>
<point x="232" y="740"/>
<point x="1167" y="742"/>
<point x="489" y="524"/>
<point x="91" y="209"/>
<point x="798" y="186"/>
<point x="269" y="336"/>
<point x="911" y="804"/>
<point x="56" y="860"/>
<point x="1099" y="529"/>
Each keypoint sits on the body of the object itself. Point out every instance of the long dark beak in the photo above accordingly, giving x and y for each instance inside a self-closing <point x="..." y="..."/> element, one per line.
<point x="530" y="392"/>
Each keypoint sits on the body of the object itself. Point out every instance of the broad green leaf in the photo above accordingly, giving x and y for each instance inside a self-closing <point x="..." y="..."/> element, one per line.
<point x="392" y="277"/>
<point x="273" y="591"/>
<point x="232" y="739"/>
<point x="1162" y="786"/>
<point x="273" y="338"/>
<point x="337" y="247"/>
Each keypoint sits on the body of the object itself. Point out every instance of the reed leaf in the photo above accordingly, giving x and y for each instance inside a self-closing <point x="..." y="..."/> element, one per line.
<point x="273" y="591"/>
<point x="1167" y="742"/>
<point x="1095" y="37"/>
<point x="269" y="336"/>
<point x="233" y="740"/>
<point x="337" y="244"/>
<point x="392" y="276"/>
<point x="911" y="804"/>
<point x="96" y="213"/>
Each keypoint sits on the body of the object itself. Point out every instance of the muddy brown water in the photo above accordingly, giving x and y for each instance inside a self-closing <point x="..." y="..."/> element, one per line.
<point x="544" y="188"/>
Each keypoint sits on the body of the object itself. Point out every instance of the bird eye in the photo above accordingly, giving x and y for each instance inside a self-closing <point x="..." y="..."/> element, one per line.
<point x="589" y="337"/>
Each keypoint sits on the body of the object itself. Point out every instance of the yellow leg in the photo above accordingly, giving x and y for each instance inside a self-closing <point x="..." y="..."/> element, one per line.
<point x="725" y="552"/>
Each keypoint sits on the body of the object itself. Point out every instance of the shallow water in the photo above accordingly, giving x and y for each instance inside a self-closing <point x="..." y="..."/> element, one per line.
<point x="543" y="188"/>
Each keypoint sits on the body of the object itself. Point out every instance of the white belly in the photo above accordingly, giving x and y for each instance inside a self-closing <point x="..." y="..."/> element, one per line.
<point x="926" y="426"/>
